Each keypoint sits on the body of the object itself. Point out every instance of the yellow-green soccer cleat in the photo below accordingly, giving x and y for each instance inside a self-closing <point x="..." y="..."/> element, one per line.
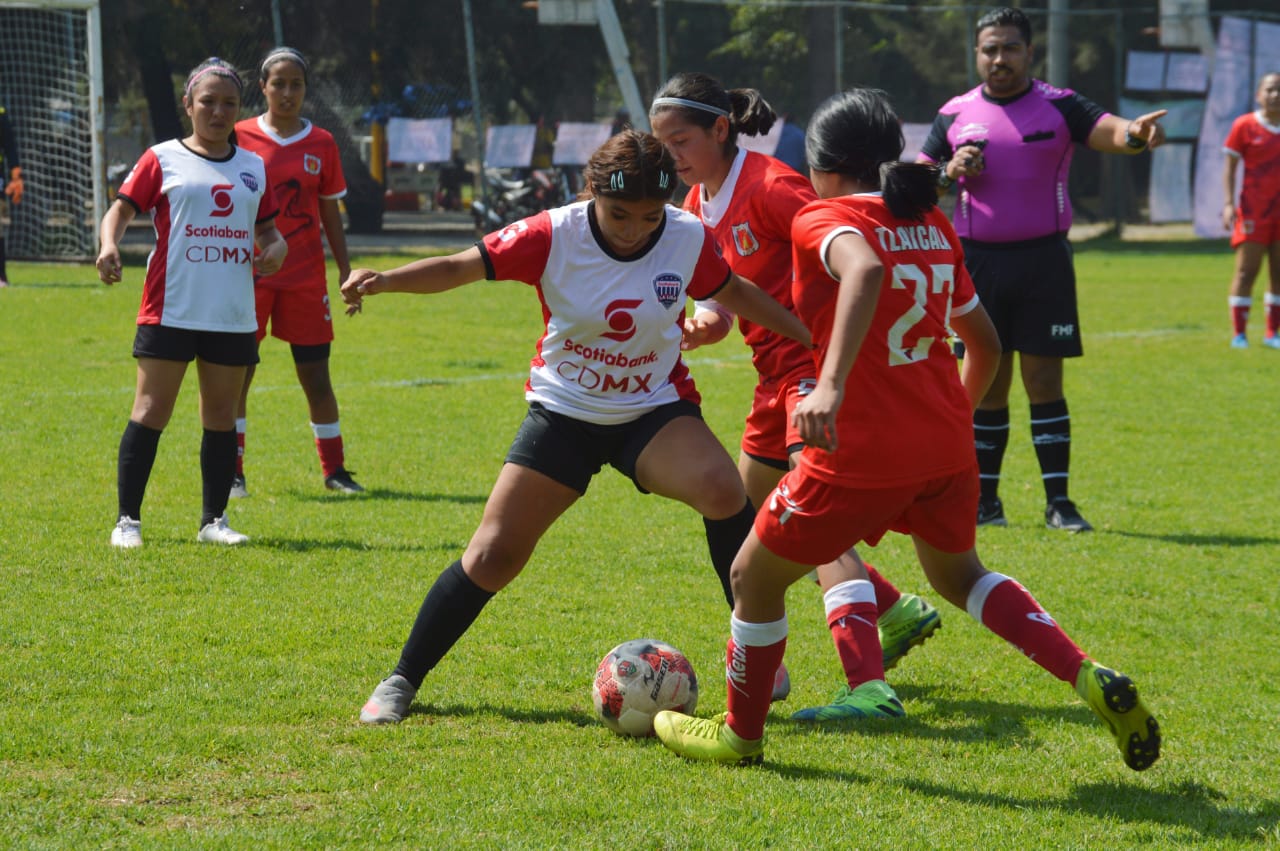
<point x="908" y="623"/>
<point x="1114" y="698"/>
<point x="872" y="699"/>
<point x="706" y="739"/>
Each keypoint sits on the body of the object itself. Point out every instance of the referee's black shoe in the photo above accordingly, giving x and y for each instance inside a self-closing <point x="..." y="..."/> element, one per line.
<point x="1063" y="514"/>
<point x="991" y="512"/>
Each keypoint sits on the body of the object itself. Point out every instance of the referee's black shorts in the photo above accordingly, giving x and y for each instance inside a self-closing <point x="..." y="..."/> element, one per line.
<point x="1029" y="289"/>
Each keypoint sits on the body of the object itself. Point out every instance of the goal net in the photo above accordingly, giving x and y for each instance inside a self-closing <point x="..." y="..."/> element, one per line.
<point x="51" y="88"/>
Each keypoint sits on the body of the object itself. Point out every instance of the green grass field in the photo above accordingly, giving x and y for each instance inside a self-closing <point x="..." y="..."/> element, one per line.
<point x="191" y="696"/>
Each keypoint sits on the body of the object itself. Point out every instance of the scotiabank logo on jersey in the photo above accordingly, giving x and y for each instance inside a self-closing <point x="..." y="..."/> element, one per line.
<point x="618" y="314"/>
<point x="223" y="206"/>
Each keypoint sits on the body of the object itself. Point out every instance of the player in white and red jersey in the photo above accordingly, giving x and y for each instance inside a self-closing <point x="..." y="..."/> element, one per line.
<point x="749" y="201"/>
<point x="305" y="170"/>
<point x="211" y="206"/>
<point x="880" y="281"/>
<point x="606" y="384"/>
<point x="1254" y="140"/>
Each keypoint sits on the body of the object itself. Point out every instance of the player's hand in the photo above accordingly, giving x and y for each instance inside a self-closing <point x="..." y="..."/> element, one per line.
<point x="13" y="189"/>
<point x="815" y="417"/>
<point x="1148" y="127"/>
<point x="700" y="332"/>
<point x="967" y="162"/>
<point x="108" y="264"/>
<point x="1228" y="216"/>
<point x="360" y="283"/>
<point x="271" y="258"/>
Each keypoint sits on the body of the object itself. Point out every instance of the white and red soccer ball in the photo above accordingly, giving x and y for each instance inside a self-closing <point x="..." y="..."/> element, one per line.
<point x="638" y="679"/>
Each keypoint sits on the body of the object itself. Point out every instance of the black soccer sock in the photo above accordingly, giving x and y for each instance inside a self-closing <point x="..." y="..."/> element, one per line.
<point x="133" y="467"/>
<point x="4" y="276"/>
<point x="451" y="606"/>
<point x="724" y="539"/>
<point x="217" y="469"/>
<point x="990" y="438"/>
<point x="1051" y="434"/>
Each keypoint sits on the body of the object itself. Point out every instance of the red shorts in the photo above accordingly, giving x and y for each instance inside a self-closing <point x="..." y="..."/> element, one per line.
<point x="809" y="521"/>
<point x="1263" y="232"/>
<point x="769" y="432"/>
<point x="298" y="316"/>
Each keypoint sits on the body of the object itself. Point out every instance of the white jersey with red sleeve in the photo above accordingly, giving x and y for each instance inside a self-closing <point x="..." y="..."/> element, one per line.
<point x="610" y="349"/>
<point x="200" y="274"/>
<point x="906" y="416"/>
<point x="751" y="218"/>
<point x="303" y="169"/>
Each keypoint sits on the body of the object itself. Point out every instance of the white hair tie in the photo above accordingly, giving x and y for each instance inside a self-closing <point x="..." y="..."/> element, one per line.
<point x="688" y="104"/>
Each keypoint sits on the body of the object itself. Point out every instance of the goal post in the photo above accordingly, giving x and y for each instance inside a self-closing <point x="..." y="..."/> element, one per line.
<point x="51" y="88"/>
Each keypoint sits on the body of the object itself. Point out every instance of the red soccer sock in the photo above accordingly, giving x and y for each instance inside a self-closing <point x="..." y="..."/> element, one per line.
<point x="886" y="593"/>
<point x="241" y="427"/>
<point x="1007" y="609"/>
<point x="329" y="447"/>
<point x="1239" y="312"/>
<point x="752" y="657"/>
<point x="851" y="617"/>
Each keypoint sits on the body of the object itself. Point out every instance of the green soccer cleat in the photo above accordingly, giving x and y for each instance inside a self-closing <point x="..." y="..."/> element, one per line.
<point x="1114" y="698"/>
<point x="872" y="699"/>
<point x="908" y="623"/>
<point x="706" y="739"/>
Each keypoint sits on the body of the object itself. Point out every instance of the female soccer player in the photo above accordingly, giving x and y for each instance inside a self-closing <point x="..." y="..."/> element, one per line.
<point x="10" y="165"/>
<point x="606" y="386"/>
<point x="306" y="173"/>
<point x="880" y="279"/>
<point x="1254" y="223"/>
<point x="749" y="200"/>
<point x="212" y="206"/>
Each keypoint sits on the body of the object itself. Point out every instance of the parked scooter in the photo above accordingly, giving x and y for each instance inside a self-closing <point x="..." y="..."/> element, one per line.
<point x="513" y="198"/>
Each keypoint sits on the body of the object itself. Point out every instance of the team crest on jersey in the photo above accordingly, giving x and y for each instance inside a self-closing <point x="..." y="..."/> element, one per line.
<point x="667" y="288"/>
<point x="513" y="230"/>
<point x="744" y="240"/>
<point x="310" y="163"/>
<point x="249" y="180"/>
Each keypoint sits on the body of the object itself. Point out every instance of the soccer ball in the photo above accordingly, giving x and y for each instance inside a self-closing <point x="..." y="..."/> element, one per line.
<point x="638" y="679"/>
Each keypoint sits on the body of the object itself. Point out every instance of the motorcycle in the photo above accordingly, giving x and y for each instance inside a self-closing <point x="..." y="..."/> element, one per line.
<point x="509" y="199"/>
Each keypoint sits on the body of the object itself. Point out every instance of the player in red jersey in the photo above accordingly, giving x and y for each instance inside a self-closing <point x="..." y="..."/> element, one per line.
<point x="749" y="200"/>
<point x="606" y="386"/>
<point x="306" y="172"/>
<point x="880" y="281"/>
<point x="1254" y="140"/>
<point x="211" y="206"/>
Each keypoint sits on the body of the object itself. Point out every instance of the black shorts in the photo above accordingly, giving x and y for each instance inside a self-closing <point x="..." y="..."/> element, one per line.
<point x="571" y="451"/>
<point x="1029" y="289"/>
<point x="182" y="344"/>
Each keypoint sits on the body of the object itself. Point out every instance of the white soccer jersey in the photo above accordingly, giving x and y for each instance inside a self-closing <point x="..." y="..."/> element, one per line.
<point x="200" y="274"/>
<point x="610" y="351"/>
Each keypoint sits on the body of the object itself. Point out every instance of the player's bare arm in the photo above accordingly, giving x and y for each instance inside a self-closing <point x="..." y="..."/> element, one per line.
<point x="1230" y="165"/>
<point x="755" y="305"/>
<point x="861" y="273"/>
<point x="981" y="352"/>
<point x="710" y="323"/>
<point x="430" y="275"/>
<point x="272" y="248"/>
<point x="1117" y="135"/>
<point x="118" y="217"/>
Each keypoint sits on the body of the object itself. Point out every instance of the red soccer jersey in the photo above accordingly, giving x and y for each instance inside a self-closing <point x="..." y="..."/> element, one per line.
<point x="302" y="169"/>
<point x="1258" y="147"/>
<point x="906" y="416"/>
<point x="751" y="218"/>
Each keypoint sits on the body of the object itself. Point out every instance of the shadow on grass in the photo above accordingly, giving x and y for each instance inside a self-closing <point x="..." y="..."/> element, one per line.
<point x="1111" y="245"/>
<point x="579" y="718"/>
<point x="389" y="495"/>
<point x="307" y="545"/>
<point x="1192" y="539"/>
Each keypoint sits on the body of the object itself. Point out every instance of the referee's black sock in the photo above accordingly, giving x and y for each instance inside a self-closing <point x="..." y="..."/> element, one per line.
<point x="724" y="539"/>
<point x="451" y="606"/>
<point x="133" y="467"/>
<point x="990" y="438"/>
<point x="4" y="276"/>
<point x="1051" y="434"/>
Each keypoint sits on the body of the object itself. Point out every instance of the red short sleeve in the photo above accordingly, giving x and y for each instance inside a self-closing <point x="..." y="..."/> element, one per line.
<point x="519" y="251"/>
<point x="145" y="183"/>
<point x="712" y="272"/>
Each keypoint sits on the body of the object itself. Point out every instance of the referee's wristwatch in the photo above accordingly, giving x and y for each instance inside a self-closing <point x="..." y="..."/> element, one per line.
<point x="1136" y="143"/>
<point x="944" y="182"/>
